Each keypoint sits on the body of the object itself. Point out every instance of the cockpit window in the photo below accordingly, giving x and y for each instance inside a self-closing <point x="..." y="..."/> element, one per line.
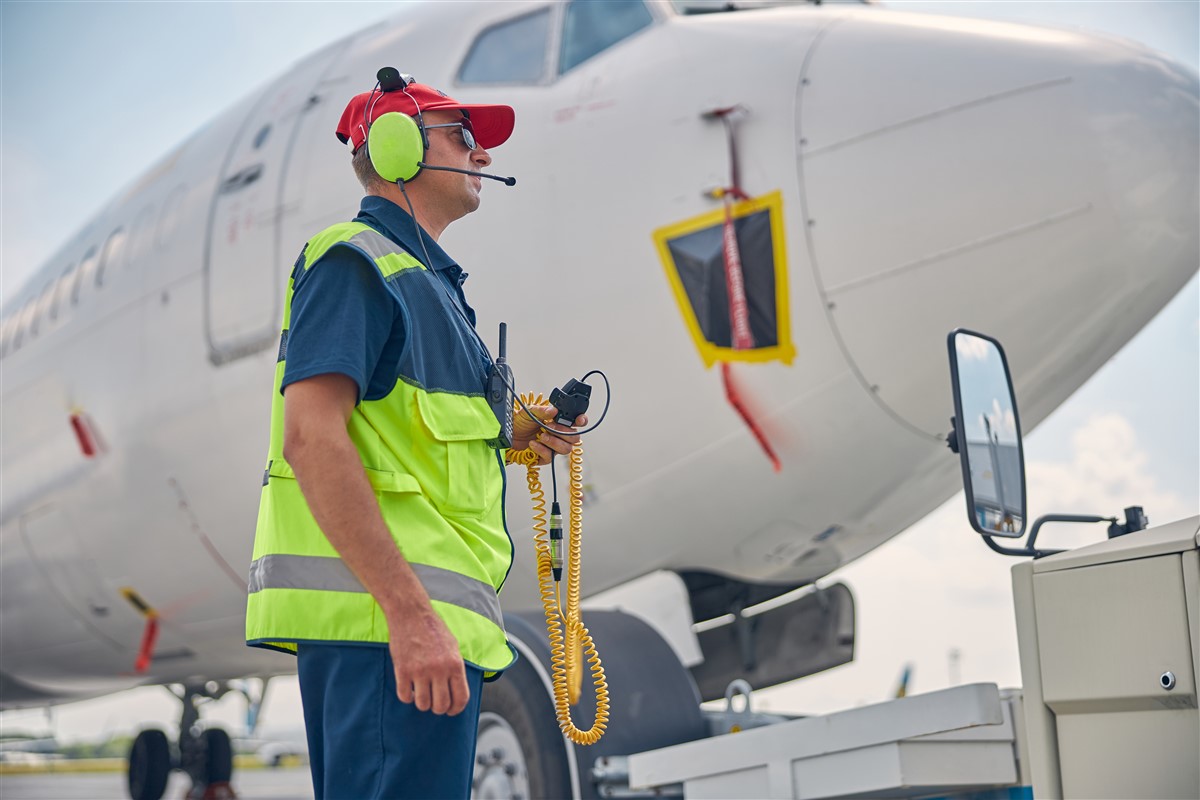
<point x="592" y="26"/>
<point x="514" y="51"/>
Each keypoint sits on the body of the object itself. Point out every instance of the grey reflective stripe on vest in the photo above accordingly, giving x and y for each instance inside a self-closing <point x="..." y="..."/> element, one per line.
<point x="325" y="574"/>
<point x="390" y="259"/>
<point x="373" y="243"/>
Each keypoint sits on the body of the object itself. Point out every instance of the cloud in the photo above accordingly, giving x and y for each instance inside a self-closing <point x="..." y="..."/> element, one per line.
<point x="972" y="348"/>
<point x="1108" y="471"/>
<point x="1002" y="420"/>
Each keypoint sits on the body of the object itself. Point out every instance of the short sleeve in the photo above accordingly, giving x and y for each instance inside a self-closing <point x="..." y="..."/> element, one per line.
<point x="341" y="319"/>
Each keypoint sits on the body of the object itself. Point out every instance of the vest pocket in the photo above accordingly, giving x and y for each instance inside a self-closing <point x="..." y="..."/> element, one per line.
<point x="467" y="481"/>
<point x="398" y="482"/>
<point x="380" y="480"/>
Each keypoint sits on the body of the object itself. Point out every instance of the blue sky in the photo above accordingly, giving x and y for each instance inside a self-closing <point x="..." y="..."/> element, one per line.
<point x="93" y="93"/>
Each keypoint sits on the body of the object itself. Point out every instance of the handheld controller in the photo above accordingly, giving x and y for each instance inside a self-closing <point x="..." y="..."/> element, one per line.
<point x="571" y="401"/>
<point x="500" y="394"/>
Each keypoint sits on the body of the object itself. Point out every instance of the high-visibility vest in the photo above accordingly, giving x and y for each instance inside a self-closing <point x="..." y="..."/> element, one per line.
<point x="439" y="485"/>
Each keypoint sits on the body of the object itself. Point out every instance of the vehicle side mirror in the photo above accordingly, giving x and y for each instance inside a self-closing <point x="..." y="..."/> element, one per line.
<point x="987" y="434"/>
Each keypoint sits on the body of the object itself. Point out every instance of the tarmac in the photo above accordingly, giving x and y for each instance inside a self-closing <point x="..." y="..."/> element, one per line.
<point x="285" y="783"/>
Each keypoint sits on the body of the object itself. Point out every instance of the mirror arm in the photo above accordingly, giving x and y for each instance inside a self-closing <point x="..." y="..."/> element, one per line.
<point x="1016" y="551"/>
<point x="1037" y="525"/>
<point x="1029" y="549"/>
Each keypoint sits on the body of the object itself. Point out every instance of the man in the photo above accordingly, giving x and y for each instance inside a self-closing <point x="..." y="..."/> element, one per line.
<point x="381" y="543"/>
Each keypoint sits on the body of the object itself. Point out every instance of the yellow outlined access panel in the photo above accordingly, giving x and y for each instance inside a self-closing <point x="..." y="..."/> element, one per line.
<point x="692" y="254"/>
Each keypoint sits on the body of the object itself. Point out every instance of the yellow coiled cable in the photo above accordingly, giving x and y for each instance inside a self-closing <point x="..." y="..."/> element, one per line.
<point x="570" y="641"/>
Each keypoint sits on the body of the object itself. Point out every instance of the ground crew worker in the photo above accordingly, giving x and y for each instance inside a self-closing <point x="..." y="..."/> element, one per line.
<point x="381" y="544"/>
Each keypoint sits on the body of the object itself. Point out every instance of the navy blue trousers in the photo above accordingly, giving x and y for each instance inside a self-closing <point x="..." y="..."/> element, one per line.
<point x="363" y="743"/>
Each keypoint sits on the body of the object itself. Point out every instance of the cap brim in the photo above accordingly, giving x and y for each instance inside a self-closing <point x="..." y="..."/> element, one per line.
<point x="492" y="124"/>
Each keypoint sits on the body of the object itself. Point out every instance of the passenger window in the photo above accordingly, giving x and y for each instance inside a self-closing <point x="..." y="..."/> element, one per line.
<point x="61" y="291"/>
<point x="42" y="310"/>
<point x="593" y="26"/>
<point x="169" y="218"/>
<point x="513" y="51"/>
<point x="23" y="322"/>
<point x="86" y="267"/>
<point x="141" y="235"/>
<point x="10" y="338"/>
<point x="111" y="254"/>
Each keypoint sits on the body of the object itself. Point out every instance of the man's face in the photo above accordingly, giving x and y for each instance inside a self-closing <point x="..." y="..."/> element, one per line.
<point x="454" y="194"/>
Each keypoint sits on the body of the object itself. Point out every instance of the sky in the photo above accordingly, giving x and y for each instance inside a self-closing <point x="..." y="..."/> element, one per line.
<point x="93" y="93"/>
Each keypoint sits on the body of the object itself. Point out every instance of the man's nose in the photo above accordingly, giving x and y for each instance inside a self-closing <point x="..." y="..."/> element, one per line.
<point x="481" y="157"/>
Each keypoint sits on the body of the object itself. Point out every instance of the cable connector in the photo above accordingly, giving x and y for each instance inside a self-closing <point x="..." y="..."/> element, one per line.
<point x="556" y="557"/>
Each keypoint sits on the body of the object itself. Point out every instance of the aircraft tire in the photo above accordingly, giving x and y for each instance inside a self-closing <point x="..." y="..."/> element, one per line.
<point x="218" y="755"/>
<point x="149" y="765"/>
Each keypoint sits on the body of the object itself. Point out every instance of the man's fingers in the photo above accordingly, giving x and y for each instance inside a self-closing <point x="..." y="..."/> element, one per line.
<point x="441" y="696"/>
<point x="560" y="443"/>
<point x="404" y="689"/>
<point x="542" y="452"/>
<point x="421" y="694"/>
<point x="460" y="693"/>
<point x="541" y="413"/>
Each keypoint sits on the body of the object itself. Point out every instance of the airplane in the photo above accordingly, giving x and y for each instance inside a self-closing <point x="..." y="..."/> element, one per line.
<point x="891" y="176"/>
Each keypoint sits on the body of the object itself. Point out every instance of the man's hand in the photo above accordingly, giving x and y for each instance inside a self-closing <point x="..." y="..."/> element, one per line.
<point x="527" y="434"/>
<point x="429" y="668"/>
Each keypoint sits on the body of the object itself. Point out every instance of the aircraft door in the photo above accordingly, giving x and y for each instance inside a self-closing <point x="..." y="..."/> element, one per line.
<point x="244" y="269"/>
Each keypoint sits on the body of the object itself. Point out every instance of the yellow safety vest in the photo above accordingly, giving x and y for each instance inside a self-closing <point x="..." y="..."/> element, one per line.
<point x="440" y="487"/>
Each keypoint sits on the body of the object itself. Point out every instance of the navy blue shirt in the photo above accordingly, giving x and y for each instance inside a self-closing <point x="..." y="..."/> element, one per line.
<point x="345" y="321"/>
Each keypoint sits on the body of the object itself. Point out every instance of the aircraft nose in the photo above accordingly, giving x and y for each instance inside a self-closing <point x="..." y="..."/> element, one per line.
<point x="1037" y="185"/>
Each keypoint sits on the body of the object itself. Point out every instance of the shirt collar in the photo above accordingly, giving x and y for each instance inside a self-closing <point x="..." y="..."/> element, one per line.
<point x="396" y="223"/>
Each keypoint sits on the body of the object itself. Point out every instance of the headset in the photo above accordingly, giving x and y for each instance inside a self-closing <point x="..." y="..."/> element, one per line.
<point x="396" y="143"/>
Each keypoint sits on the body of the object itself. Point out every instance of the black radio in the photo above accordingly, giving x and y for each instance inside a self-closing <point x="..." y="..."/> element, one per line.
<point x="500" y="394"/>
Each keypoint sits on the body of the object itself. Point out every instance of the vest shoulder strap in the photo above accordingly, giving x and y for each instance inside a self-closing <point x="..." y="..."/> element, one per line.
<point x="387" y="256"/>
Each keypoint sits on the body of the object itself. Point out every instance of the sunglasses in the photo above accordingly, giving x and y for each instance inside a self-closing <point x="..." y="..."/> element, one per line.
<point x="467" y="134"/>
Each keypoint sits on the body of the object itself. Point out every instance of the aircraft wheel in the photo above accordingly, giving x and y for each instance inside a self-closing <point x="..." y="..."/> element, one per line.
<point x="149" y="765"/>
<point x="520" y="750"/>
<point x="218" y="756"/>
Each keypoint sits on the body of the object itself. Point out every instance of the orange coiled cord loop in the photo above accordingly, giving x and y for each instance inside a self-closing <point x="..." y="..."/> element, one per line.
<point x="570" y="641"/>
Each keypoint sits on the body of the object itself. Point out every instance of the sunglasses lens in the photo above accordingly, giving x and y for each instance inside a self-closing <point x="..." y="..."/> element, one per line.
<point x="468" y="138"/>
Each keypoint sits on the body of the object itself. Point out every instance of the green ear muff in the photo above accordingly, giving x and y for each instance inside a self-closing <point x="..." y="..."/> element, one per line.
<point x="395" y="146"/>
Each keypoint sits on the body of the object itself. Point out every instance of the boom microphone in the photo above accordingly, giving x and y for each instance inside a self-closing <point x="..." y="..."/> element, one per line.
<point x="505" y="181"/>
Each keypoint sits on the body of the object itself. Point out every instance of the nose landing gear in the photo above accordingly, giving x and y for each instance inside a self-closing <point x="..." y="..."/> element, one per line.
<point x="205" y="754"/>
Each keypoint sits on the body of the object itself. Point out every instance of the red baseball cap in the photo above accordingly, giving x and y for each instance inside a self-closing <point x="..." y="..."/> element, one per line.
<point x="491" y="124"/>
